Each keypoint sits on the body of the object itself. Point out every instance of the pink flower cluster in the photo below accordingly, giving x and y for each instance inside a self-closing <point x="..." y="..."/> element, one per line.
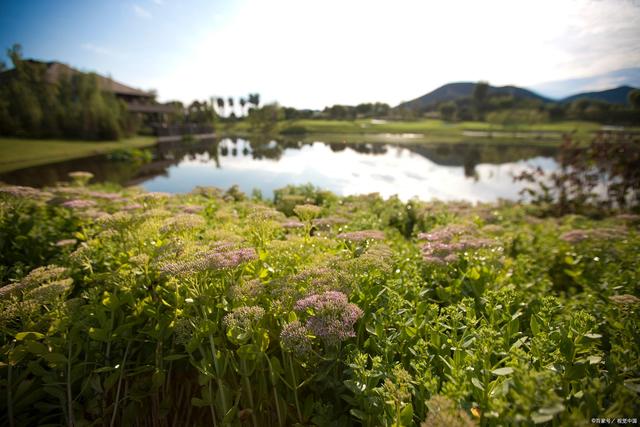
<point x="215" y="259"/>
<point x="439" y="249"/>
<point x="361" y="236"/>
<point x="332" y="316"/>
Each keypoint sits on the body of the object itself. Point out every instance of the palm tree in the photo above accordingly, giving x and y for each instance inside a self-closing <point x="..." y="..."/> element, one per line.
<point x="243" y="102"/>
<point x="220" y="102"/>
<point x="230" y="104"/>
<point x="254" y="99"/>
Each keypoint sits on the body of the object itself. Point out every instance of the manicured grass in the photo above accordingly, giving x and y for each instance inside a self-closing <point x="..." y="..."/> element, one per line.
<point x="16" y="153"/>
<point x="429" y="130"/>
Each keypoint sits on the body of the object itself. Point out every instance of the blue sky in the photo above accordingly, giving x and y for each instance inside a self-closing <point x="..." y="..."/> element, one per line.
<point x="309" y="53"/>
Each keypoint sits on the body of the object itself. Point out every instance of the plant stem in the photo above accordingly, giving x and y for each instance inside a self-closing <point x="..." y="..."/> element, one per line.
<point x="10" y="397"/>
<point x="115" y="408"/>
<point x="69" y="400"/>
<point x="247" y="385"/>
<point x="275" y="392"/>
<point x="294" y="383"/>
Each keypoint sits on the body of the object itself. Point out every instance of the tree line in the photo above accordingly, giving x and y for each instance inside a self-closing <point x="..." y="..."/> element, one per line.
<point x="73" y="107"/>
<point x="507" y="109"/>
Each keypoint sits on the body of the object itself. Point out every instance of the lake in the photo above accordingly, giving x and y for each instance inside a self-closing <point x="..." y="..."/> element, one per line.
<point x="473" y="172"/>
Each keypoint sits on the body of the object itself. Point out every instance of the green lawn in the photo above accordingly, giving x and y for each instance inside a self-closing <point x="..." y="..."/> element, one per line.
<point x="16" y="153"/>
<point x="427" y="130"/>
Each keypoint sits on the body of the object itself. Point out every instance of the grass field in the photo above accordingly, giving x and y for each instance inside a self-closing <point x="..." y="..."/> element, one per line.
<point x="428" y="130"/>
<point x="16" y="153"/>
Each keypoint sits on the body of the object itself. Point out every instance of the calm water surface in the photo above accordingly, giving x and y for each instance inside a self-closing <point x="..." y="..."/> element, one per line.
<point x="447" y="172"/>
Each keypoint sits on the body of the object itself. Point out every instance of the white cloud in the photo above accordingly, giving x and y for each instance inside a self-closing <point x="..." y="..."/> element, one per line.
<point x="141" y="12"/>
<point x="310" y="54"/>
<point x="158" y="2"/>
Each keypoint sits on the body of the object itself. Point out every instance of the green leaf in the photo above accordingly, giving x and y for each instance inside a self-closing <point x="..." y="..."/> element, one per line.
<point x="535" y="327"/>
<point x="55" y="358"/>
<point x="174" y="357"/>
<point x="476" y="382"/>
<point x="473" y="274"/>
<point x="502" y="371"/>
<point x="566" y="348"/>
<point x="248" y="352"/>
<point x="594" y="360"/>
<point x="406" y="415"/>
<point x="198" y="403"/>
<point x="36" y="347"/>
<point x="540" y="418"/>
<point x="552" y="410"/>
<point x="29" y="336"/>
<point x="358" y="414"/>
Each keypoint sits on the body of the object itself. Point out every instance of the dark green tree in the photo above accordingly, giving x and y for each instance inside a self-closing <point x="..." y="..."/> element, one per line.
<point x="634" y="99"/>
<point x="480" y="94"/>
<point x="448" y="110"/>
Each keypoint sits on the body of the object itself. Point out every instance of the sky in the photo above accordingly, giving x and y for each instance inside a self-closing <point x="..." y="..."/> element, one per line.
<point x="309" y="53"/>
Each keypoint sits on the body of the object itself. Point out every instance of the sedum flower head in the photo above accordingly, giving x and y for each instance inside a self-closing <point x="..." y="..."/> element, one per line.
<point x="443" y="412"/>
<point x="625" y="300"/>
<point x="218" y="258"/>
<point x="296" y="338"/>
<point x="332" y="316"/>
<point x="19" y="191"/>
<point x="183" y="331"/>
<point x="66" y="242"/>
<point x="36" y="277"/>
<point x="361" y="236"/>
<point x="50" y="292"/>
<point x="79" y="204"/>
<point x="244" y="317"/>
<point x="182" y="222"/>
<point x="307" y="212"/>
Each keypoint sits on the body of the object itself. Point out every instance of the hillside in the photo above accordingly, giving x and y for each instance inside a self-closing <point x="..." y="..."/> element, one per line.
<point x="560" y="89"/>
<point x="619" y="95"/>
<point x="452" y="91"/>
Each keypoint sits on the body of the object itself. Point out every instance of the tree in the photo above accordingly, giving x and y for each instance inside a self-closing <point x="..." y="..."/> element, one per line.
<point x="254" y="99"/>
<point x="448" y="110"/>
<point x="264" y="120"/>
<point x="230" y="103"/>
<point x="243" y="102"/>
<point x="220" y="102"/>
<point x="72" y="106"/>
<point x="480" y="92"/>
<point x="634" y="99"/>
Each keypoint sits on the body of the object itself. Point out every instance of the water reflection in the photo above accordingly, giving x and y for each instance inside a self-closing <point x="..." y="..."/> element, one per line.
<point x="454" y="171"/>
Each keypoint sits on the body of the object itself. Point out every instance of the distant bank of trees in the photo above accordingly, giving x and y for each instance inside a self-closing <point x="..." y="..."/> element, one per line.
<point x="72" y="107"/>
<point x="499" y="108"/>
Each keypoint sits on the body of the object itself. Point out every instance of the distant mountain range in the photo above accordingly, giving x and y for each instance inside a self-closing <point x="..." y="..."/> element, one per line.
<point x="561" y="89"/>
<point x="618" y="95"/>
<point x="453" y="91"/>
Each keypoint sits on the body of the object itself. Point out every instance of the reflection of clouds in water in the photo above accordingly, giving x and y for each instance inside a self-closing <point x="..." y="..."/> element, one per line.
<point x="397" y="171"/>
<point x="414" y="176"/>
<point x="386" y="178"/>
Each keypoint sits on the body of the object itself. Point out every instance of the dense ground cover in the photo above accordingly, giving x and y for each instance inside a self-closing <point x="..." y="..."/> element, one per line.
<point x="17" y="153"/>
<point x="121" y="307"/>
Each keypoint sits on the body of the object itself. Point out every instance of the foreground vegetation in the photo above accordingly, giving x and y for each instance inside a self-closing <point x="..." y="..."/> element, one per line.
<point x="121" y="307"/>
<point x="17" y="153"/>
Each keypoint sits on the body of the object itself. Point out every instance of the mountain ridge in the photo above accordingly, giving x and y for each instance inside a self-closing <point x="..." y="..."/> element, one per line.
<point x="456" y="90"/>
